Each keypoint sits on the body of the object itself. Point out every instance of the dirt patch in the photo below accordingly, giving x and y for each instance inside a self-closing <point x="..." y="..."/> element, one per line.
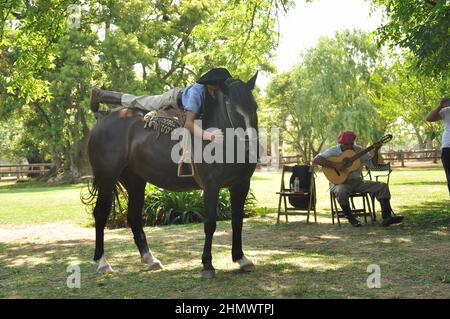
<point x="45" y="233"/>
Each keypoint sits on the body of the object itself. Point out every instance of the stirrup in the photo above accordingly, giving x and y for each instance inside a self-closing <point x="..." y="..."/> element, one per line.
<point x="180" y="170"/>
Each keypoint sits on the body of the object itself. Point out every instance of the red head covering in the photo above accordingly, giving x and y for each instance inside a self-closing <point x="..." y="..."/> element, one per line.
<point x="346" y="137"/>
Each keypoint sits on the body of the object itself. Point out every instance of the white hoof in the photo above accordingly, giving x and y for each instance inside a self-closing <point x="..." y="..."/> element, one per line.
<point x="246" y="264"/>
<point x="152" y="262"/>
<point x="104" y="269"/>
<point x="156" y="265"/>
<point x="103" y="266"/>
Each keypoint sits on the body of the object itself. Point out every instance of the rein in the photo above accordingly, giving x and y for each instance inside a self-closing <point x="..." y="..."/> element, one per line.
<point x="230" y="118"/>
<point x="227" y="106"/>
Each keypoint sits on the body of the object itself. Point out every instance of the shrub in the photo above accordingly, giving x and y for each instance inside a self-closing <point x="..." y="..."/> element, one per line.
<point x="162" y="207"/>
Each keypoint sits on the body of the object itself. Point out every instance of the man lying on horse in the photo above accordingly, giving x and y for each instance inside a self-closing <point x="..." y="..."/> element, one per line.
<point x="190" y="99"/>
<point x="123" y="151"/>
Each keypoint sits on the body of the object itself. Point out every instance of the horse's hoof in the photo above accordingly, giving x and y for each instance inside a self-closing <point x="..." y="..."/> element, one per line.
<point x="248" y="268"/>
<point x="104" y="269"/>
<point x="246" y="264"/>
<point x="155" y="266"/>
<point x="208" y="274"/>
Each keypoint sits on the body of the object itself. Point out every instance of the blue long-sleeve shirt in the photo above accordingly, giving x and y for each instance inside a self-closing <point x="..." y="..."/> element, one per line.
<point x="192" y="97"/>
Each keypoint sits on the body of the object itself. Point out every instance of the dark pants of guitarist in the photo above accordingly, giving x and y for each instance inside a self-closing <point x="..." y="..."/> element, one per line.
<point x="445" y="157"/>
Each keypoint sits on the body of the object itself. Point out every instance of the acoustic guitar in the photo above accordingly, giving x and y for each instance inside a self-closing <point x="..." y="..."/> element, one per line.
<point x="352" y="162"/>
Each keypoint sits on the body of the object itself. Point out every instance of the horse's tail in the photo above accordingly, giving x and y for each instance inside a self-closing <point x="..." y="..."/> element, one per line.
<point x="89" y="197"/>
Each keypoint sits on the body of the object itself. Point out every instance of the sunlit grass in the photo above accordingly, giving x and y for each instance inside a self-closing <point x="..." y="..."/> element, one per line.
<point x="408" y="187"/>
<point x="37" y="203"/>
<point x="294" y="260"/>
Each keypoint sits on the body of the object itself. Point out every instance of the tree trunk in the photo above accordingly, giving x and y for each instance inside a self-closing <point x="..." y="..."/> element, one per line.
<point x="419" y="139"/>
<point x="57" y="161"/>
<point x="81" y="165"/>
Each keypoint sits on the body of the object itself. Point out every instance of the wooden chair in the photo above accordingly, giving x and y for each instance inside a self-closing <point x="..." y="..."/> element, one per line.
<point x="380" y="170"/>
<point x="364" y="211"/>
<point x="305" y="199"/>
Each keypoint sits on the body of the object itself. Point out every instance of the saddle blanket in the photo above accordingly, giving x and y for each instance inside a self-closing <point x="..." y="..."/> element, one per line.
<point x="166" y="119"/>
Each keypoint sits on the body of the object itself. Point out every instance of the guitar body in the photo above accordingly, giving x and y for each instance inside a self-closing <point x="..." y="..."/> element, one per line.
<point x="338" y="177"/>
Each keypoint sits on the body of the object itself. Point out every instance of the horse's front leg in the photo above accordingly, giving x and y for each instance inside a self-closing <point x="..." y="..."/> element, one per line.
<point x="238" y="194"/>
<point x="210" y="199"/>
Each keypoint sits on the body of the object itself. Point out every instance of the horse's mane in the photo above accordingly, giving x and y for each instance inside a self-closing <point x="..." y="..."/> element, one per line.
<point x="239" y="94"/>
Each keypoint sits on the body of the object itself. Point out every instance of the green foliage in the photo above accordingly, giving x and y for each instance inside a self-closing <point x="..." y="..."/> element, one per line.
<point x="326" y="93"/>
<point x="47" y="66"/>
<point x="294" y="259"/>
<point x="403" y="96"/>
<point x="423" y="28"/>
<point x="162" y="207"/>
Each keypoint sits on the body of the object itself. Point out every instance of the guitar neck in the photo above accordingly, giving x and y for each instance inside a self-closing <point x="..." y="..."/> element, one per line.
<point x="361" y="153"/>
<point x="382" y="141"/>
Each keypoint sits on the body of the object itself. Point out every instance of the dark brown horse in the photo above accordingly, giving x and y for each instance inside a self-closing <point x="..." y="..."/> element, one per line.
<point x="121" y="150"/>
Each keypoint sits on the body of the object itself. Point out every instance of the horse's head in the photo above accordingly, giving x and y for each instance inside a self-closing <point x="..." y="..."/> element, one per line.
<point x="240" y="104"/>
<point x="235" y="108"/>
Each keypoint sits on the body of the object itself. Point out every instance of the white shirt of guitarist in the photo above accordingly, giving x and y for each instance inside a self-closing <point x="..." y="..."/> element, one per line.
<point x="445" y="114"/>
<point x="366" y="159"/>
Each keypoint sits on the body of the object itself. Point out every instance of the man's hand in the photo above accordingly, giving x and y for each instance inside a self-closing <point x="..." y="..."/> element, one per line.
<point x="444" y="103"/>
<point x="434" y="116"/>
<point x="340" y="166"/>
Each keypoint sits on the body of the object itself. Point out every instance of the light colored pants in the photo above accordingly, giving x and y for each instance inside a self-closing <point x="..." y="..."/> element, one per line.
<point x="342" y="191"/>
<point x="151" y="102"/>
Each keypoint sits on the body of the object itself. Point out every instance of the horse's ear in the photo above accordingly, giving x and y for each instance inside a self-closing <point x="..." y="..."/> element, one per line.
<point x="252" y="81"/>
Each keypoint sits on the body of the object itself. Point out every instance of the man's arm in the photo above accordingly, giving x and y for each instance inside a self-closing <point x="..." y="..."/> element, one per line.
<point x="322" y="161"/>
<point x="375" y="156"/>
<point x="214" y="136"/>
<point x="434" y="116"/>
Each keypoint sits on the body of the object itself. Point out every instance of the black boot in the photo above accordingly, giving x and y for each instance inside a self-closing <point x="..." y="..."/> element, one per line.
<point x="351" y="219"/>
<point x="102" y="96"/>
<point x="386" y="214"/>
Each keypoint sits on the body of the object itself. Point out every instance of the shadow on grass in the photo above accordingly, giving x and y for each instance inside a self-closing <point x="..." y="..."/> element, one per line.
<point x="427" y="215"/>
<point x="422" y="183"/>
<point x="40" y="271"/>
<point x="294" y="260"/>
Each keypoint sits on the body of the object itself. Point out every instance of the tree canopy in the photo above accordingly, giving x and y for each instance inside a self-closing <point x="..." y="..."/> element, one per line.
<point x="54" y="51"/>
<point x="422" y="26"/>
<point x="326" y="93"/>
<point x="401" y="91"/>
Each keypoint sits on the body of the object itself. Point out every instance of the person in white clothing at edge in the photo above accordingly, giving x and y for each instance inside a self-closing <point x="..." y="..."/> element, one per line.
<point x="442" y="112"/>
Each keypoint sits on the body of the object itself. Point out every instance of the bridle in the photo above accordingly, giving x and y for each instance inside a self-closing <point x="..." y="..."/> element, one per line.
<point x="229" y="82"/>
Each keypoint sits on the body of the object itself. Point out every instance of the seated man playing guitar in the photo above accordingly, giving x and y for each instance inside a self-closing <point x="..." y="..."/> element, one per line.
<point x="342" y="165"/>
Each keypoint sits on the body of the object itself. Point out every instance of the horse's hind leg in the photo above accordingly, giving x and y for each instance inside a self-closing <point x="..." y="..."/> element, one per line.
<point x="101" y="212"/>
<point x="135" y="187"/>
<point x="238" y="194"/>
<point x="210" y="198"/>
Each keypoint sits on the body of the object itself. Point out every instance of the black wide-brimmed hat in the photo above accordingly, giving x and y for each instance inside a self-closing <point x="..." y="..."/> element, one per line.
<point x="214" y="76"/>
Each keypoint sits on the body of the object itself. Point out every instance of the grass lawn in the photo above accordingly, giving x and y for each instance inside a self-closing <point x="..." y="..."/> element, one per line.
<point x="294" y="260"/>
<point x="38" y="202"/>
